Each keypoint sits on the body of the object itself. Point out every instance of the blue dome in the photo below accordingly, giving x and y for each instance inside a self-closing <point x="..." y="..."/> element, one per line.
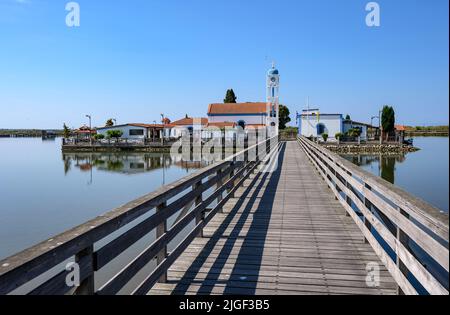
<point x="273" y="71"/>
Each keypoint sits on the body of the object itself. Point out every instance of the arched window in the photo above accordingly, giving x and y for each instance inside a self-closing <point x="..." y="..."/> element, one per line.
<point x="241" y="124"/>
<point x="320" y="129"/>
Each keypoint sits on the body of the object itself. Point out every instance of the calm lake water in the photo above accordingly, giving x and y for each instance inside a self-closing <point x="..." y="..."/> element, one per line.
<point x="424" y="174"/>
<point x="44" y="192"/>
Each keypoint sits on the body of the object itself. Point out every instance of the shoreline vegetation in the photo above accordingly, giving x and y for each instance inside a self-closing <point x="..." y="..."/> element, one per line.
<point x="28" y="133"/>
<point x="410" y="131"/>
<point x="430" y="131"/>
<point x="367" y="148"/>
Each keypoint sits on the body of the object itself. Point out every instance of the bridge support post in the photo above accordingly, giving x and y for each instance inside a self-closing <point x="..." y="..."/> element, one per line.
<point x="403" y="238"/>
<point x="368" y="205"/>
<point x="199" y="217"/>
<point x="87" y="286"/>
<point x="347" y="198"/>
<point x="161" y="229"/>
<point x="219" y="184"/>
<point x="228" y="178"/>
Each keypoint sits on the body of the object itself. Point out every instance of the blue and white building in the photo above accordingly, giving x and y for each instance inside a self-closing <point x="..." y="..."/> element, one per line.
<point x="313" y="123"/>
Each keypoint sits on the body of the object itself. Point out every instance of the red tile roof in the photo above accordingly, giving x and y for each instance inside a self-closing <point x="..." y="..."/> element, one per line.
<point x="189" y="121"/>
<point x="156" y="126"/>
<point x="85" y="130"/>
<point x="237" y="108"/>
<point x="400" y="128"/>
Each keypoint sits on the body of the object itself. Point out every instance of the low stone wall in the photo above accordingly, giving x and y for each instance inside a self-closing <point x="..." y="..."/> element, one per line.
<point x="370" y="148"/>
<point x="88" y="148"/>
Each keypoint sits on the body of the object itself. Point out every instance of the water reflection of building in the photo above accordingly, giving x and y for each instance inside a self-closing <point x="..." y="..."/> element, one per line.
<point x="133" y="163"/>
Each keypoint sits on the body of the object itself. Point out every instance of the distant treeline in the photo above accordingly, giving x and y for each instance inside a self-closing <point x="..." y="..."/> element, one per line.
<point x="27" y="132"/>
<point x="427" y="130"/>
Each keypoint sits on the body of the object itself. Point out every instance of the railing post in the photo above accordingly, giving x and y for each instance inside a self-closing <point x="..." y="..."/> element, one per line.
<point x="161" y="229"/>
<point x="368" y="205"/>
<point x="87" y="286"/>
<point x="403" y="238"/>
<point x="219" y="184"/>
<point x="347" y="197"/>
<point x="232" y="172"/>
<point x="199" y="217"/>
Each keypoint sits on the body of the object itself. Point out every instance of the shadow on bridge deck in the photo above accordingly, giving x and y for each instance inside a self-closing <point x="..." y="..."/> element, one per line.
<point x="284" y="233"/>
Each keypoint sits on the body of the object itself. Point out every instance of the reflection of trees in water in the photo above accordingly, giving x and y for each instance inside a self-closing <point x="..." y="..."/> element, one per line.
<point x="114" y="165"/>
<point x="361" y="160"/>
<point x="386" y="163"/>
<point x="387" y="166"/>
<point x="126" y="163"/>
<point x="67" y="165"/>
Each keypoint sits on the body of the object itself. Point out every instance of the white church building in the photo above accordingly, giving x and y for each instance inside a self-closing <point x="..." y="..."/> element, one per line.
<point x="251" y="114"/>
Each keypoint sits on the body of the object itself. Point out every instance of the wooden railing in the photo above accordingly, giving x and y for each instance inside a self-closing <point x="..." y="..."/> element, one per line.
<point x="408" y="235"/>
<point x="42" y="268"/>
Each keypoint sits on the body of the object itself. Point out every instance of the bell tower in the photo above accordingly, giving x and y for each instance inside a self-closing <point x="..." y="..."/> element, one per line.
<point x="273" y="85"/>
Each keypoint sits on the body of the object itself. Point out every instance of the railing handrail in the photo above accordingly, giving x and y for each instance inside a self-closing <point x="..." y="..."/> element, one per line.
<point x="425" y="212"/>
<point x="25" y="266"/>
<point x="398" y="207"/>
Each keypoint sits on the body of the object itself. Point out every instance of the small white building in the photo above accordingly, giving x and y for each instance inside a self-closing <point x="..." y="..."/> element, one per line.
<point x="186" y="124"/>
<point x="137" y="131"/>
<point x="312" y="123"/>
<point x="350" y="124"/>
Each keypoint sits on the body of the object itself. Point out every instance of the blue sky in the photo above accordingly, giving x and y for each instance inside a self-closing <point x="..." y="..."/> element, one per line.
<point x="135" y="59"/>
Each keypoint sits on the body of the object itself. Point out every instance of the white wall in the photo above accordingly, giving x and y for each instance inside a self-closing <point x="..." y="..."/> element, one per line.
<point x="333" y="125"/>
<point x="209" y="133"/>
<point x="125" y="130"/>
<point x="249" y="119"/>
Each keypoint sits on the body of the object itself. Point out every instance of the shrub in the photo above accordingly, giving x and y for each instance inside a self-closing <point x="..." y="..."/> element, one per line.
<point x="339" y="135"/>
<point x="354" y="132"/>
<point x="325" y="137"/>
<point x="114" y="133"/>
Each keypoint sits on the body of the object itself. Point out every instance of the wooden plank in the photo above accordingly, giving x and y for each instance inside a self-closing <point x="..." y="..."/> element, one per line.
<point x="423" y="212"/>
<point x="149" y="282"/>
<point x="283" y="233"/>
<point x="401" y="280"/>
<point x="424" y="277"/>
<point x="114" y="248"/>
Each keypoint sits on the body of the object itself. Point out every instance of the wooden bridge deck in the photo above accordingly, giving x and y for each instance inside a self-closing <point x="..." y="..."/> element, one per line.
<point x="284" y="233"/>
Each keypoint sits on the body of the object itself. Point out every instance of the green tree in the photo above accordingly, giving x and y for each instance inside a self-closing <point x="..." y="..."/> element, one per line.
<point x="388" y="120"/>
<point x="339" y="135"/>
<point x="230" y="97"/>
<point x="66" y="131"/>
<point x="109" y="123"/>
<point x="114" y="134"/>
<point x="325" y="136"/>
<point x="354" y="132"/>
<point x="284" y="118"/>
<point x="99" y="136"/>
